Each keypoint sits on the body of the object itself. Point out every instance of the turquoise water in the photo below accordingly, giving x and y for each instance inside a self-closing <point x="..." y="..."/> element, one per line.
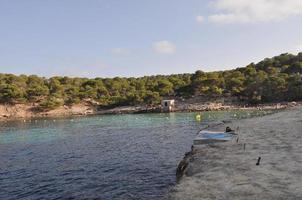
<point x="43" y="130"/>
<point x="99" y="157"/>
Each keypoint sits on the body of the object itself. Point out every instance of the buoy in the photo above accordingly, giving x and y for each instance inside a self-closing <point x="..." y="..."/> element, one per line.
<point x="198" y="117"/>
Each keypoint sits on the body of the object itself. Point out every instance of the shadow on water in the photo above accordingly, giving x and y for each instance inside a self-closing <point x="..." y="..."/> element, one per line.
<point x="105" y="157"/>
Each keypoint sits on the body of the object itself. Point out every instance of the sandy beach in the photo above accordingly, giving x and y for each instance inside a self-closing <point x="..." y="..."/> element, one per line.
<point x="229" y="171"/>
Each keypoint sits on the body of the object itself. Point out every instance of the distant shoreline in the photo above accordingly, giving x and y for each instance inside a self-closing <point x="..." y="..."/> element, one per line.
<point x="27" y="111"/>
<point x="276" y="79"/>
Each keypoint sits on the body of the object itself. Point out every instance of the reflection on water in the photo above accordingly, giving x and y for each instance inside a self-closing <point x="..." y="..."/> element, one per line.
<point x="105" y="157"/>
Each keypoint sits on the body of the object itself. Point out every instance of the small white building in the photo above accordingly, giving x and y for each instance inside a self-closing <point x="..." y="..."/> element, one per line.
<point x="168" y="105"/>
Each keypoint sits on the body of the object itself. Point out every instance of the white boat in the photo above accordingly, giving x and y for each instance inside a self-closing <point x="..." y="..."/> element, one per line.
<point x="206" y="137"/>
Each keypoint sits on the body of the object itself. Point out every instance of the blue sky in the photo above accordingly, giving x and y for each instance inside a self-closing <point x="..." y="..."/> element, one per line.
<point x="108" y="38"/>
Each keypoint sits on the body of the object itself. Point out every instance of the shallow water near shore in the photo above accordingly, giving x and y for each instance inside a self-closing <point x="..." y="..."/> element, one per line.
<point x="103" y="157"/>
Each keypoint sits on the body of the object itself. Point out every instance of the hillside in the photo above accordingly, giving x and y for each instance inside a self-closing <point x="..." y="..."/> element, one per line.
<point x="271" y="80"/>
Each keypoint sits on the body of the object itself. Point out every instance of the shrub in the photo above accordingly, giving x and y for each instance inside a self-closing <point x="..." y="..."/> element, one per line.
<point x="51" y="103"/>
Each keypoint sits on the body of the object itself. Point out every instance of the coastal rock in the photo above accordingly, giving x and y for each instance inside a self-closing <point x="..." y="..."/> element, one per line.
<point x="229" y="171"/>
<point x="17" y="111"/>
<point x="183" y="165"/>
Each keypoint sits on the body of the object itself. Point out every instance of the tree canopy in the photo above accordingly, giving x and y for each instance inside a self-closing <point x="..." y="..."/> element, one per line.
<point x="271" y="80"/>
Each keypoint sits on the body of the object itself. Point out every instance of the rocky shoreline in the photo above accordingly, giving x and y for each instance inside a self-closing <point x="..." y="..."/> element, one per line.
<point x="28" y="111"/>
<point x="229" y="171"/>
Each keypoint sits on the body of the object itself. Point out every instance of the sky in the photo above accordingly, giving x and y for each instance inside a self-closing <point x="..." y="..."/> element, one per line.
<point x="132" y="38"/>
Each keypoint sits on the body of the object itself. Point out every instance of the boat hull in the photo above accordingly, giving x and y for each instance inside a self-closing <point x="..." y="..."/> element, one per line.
<point x="206" y="137"/>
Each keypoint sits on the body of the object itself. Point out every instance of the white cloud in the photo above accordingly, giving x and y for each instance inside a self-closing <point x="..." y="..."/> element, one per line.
<point x="164" y="47"/>
<point x="120" y="51"/>
<point x="200" y="19"/>
<point x="252" y="11"/>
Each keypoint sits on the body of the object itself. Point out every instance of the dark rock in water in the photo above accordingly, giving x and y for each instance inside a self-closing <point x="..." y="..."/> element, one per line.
<point x="228" y="129"/>
<point x="183" y="165"/>
<point x="226" y="121"/>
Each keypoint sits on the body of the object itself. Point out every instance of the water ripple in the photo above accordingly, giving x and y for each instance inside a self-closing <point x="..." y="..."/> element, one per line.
<point x="118" y="157"/>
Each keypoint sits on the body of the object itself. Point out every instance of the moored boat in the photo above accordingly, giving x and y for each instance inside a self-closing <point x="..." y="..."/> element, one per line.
<point x="206" y="137"/>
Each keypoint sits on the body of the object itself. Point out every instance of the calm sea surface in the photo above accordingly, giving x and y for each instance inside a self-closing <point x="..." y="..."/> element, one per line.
<point x="101" y="157"/>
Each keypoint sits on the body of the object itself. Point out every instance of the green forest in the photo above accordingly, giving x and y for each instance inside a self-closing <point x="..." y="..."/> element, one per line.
<point x="271" y="80"/>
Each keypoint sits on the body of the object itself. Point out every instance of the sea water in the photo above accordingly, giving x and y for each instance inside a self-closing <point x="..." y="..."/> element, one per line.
<point x="100" y="157"/>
